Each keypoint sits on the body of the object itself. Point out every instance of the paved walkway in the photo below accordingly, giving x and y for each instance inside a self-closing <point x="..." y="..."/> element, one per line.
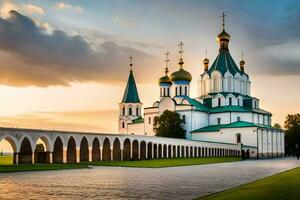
<point x="138" y="183"/>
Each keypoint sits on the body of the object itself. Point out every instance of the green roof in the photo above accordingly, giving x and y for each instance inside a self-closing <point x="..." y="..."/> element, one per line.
<point x="197" y="104"/>
<point x="237" y="124"/>
<point x="131" y="93"/>
<point x="223" y="63"/>
<point x="228" y="109"/>
<point x="138" y="120"/>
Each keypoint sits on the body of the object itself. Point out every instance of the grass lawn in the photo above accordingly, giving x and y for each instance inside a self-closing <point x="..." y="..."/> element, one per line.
<point x="283" y="186"/>
<point x="6" y="160"/>
<point x="173" y="162"/>
<point x="6" y="164"/>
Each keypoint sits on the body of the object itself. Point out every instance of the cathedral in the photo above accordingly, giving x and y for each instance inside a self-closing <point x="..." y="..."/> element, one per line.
<point x="224" y="110"/>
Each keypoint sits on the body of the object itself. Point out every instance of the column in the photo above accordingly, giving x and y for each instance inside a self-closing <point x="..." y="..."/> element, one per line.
<point x="32" y="158"/>
<point x="64" y="155"/>
<point x="131" y="153"/>
<point x="101" y="156"/>
<point x="90" y="154"/>
<point x="77" y="155"/>
<point x="146" y="151"/>
<point x="167" y="154"/>
<point x="50" y="157"/>
<point x="16" y="158"/>
<point x="152" y="149"/>
<point x="122" y="150"/>
<point x="111" y="153"/>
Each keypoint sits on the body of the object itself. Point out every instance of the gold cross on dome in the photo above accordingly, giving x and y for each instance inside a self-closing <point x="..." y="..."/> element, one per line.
<point x="180" y="48"/>
<point x="223" y="20"/>
<point x="130" y="58"/>
<point x="167" y="58"/>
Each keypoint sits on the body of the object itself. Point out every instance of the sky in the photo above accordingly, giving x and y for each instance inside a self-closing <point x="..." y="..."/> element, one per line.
<point x="64" y="64"/>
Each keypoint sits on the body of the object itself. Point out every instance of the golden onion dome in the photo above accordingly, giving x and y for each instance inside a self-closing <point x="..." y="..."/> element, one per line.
<point x="165" y="79"/>
<point x="223" y="36"/>
<point x="181" y="75"/>
<point x="205" y="61"/>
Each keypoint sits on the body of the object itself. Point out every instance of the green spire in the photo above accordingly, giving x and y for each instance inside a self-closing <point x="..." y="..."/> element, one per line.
<point x="131" y="93"/>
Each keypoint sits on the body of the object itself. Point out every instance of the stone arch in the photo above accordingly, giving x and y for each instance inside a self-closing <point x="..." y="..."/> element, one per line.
<point x="117" y="150"/>
<point x="169" y="151"/>
<point x="182" y="152"/>
<point x="126" y="151"/>
<point x="178" y="151"/>
<point x="149" y="153"/>
<point x="96" y="150"/>
<point x="199" y="152"/>
<point x="84" y="150"/>
<point x="71" y="150"/>
<point x="155" y="151"/>
<point x="191" y="152"/>
<point x="41" y="150"/>
<point x="25" y="154"/>
<point x="165" y="151"/>
<point x="58" y="150"/>
<point x="195" y="152"/>
<point x="13" y="144"/>
<point x="159" y="151"/>
<point x="143" y="150"/>
<point x="106" y="152"/>
<point x="135" y="150"/>
<point x="174" y="151"/>
<point x="187" y="151"/>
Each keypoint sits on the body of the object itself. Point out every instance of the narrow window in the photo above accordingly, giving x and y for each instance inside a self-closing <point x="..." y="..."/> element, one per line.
<point x="123" y="125"/>
<point x="186" y="90"/>
<point x="180" y="90"/>
<point x="168" y="92"/>
<point x="219" y="121"/>
<point x="123" y="111"/>
<point x="137" y="111"/>
<point x="238" y="138"/>
<point x="164" y="92"/>
<point x="183" y="119"/>
<point x="149" y="120"/>
<point x="238" y="119"/>
<point x="219" y="101"/>
<point x="176" y="91"/>
<point x="130" y="111"/>
<point x="230" y="101"/>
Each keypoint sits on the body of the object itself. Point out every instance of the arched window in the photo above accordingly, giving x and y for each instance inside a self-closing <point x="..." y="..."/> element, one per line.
<point x="183" y="118"/>
<point x="219" y="101"/>
<point x="186" y="90"/>
<point x="164" y="92"/>
<point x="176" y="91"/>
<point x="123" y="124"/>
<point x="168" y="91"/>
<point x="130" y="111"/>
<point x="229" y="87"/>
<point x="123" y="111"/>
<point x="230" y="101"/>
<point x="137" y="111"/>
<point x="238" y="119"/>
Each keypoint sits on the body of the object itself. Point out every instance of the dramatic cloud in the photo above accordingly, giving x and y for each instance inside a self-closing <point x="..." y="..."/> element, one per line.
<point x="29" y="9"/>
<point x="33" y="9"/>
<point x="65" y="6"/>
<point x="33" y="57"/>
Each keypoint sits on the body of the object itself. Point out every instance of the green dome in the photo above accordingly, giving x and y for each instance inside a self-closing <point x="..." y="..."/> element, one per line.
<point x="223" y="36"/>
<point x="181" y="75"/>
<point x="165" y="79"/>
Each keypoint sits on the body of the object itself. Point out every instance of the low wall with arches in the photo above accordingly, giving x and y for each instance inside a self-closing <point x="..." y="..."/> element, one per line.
<point x="75" y="147"/>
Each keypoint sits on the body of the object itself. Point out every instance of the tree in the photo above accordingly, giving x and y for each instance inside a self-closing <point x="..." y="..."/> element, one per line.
<point x="169" y="124"/>
<point x="292" y="133"/>
<point x="276" y="125"/>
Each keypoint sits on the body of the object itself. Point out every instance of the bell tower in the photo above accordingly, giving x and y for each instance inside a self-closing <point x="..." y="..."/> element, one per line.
<point x="130" y="108"/>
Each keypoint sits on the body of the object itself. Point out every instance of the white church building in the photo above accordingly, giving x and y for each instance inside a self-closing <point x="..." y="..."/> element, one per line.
<point x="224" y="110"/>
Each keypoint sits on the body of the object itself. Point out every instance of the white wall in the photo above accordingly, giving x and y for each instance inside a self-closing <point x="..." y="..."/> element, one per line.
<point x="136" y="129"/>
